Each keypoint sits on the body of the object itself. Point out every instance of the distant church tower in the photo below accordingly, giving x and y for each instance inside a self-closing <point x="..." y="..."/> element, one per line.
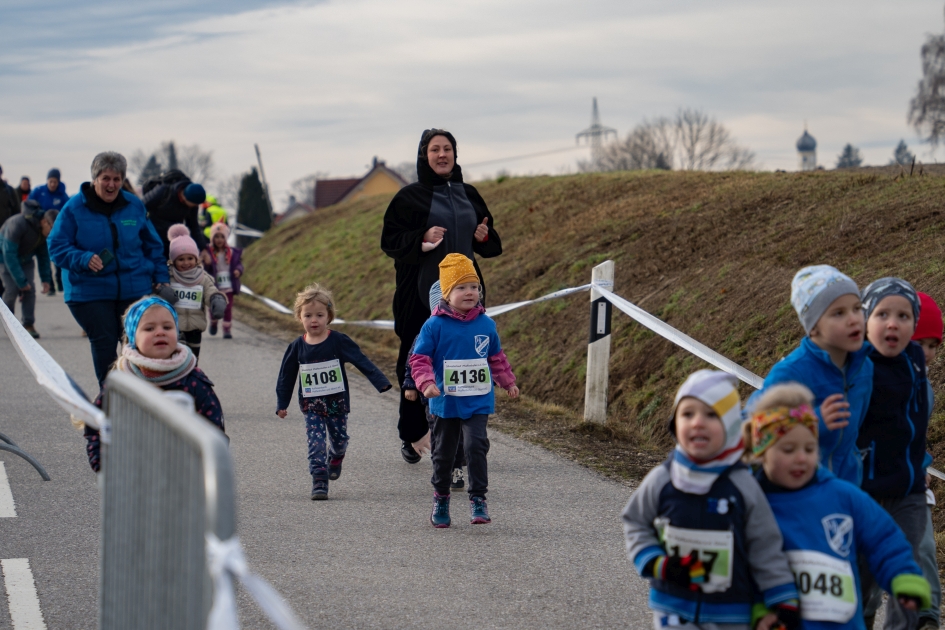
<point x="807" y="152"/>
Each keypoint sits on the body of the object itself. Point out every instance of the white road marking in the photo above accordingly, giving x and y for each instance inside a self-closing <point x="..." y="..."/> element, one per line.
<point x="21" y="595"/>
<point x="7" y="508"/>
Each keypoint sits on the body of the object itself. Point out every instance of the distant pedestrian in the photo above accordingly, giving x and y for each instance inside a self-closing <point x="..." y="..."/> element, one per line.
<point x="24" y="188"/>
<point x="314" y="366"/>
<point x="197" y="295"/>
<point x="52" y="196"/>
<point x="9" y="200"/>
<point x="22" y="238"/>
<point x="212" y="214"/>
<point x="223" y="263"/>
<point x="173" y="203"/>
<point x="457" y="357"/>
<point x="111" y="254"/>
<point x="425" y="221"/>
<point x="150" y="351"/>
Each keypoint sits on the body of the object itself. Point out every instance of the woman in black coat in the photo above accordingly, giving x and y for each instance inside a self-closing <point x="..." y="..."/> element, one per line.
<point x="425" y="221"/>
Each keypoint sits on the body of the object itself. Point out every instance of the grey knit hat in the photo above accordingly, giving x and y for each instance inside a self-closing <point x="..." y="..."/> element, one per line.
<point x="814" y="289"/>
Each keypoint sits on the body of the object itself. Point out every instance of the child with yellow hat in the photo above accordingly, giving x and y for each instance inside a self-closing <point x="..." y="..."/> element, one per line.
<point x="456" y="358"/>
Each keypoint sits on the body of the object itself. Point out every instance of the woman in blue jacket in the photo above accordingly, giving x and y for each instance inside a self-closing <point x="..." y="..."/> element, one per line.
<point x="111" y="254"/>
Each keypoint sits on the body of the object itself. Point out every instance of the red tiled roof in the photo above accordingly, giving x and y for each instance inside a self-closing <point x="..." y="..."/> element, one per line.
<point x="331" y="191"/>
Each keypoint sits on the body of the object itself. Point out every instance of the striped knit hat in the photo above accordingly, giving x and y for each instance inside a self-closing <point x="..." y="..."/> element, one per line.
<point x="718" y="390"/>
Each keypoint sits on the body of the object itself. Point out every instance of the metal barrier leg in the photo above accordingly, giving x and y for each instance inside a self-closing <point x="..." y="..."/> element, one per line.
<point x="17" y="451"/>
<point x="7" y="440"/>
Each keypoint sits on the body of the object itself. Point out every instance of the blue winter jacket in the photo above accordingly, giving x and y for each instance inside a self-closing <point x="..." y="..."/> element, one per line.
<point x="835" y="522"/>
<point x="897" y="420"/>
<point x="50" y="200"/>
<point x="86" y="226"/>
<point x="812" y="367"/>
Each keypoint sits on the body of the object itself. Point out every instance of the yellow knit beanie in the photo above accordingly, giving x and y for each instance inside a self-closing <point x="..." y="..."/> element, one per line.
<point x="456" y="269"/>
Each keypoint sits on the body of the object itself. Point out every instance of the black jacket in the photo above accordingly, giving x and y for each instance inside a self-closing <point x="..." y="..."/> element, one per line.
<point x="9" y="201"/>
<point x="893" y="432"/>
<point x="165" y="209"/>
<point x="408" y="218"/>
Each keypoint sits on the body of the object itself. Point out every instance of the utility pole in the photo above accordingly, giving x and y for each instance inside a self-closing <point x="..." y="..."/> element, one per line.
<point x="262" y="175"/>
<point x="596" y="134"/>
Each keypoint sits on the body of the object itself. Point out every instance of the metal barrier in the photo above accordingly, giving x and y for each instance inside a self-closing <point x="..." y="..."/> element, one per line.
<point x="168" y="483"/>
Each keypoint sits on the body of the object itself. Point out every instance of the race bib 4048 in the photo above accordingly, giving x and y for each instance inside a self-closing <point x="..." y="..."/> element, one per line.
<point x="188" y="298"/>
<point x="321" y="379"/>
<point x="826" y="586"/>
<point x="713" y="548"/>
<point x="467" y="378"/>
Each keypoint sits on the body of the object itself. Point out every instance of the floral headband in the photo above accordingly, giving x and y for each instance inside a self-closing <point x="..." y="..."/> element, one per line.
<point x="769" y="426"/>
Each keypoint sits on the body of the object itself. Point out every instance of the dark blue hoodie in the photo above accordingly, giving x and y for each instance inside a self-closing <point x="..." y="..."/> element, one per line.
<point x="893" y="433"/>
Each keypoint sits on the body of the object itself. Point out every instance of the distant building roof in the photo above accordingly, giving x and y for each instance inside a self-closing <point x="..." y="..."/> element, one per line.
<point x="331" y="191"/>
<point x="294" y="211"/>
<point x="806" y="142"/>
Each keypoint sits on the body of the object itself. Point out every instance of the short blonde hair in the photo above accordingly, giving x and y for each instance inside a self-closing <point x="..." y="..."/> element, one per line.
<point x="789" y="395"/>
<point x="314" y="293"/>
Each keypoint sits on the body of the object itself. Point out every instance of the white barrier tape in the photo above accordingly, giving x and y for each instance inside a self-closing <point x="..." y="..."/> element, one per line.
<point x="684" y="341"/>
<point x="242" y="230"/>
<point x="225" y="560"/>
<point x="51" y="376"/>
<point x="271" y="303"/>
<point x="492" y="311"/>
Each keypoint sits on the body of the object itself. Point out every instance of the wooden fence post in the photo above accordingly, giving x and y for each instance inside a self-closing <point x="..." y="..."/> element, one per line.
<point x="598" y="347"/>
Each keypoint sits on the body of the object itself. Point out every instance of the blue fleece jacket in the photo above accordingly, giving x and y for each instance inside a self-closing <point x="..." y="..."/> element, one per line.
<point x="812" y="367"/>
<point x="85" y="227"/>
<point x="835" y="522"/>
<point x="445" y="338"/>
<point x="50" y="200"/>
<point x="894" y="430"/>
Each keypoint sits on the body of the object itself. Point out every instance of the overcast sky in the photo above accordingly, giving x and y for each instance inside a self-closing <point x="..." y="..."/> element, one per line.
<point x="325" y="86"/>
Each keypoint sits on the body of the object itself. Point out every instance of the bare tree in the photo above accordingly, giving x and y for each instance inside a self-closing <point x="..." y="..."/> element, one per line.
<point x="927" y="107"/>
<point x="303" y="189"/>
<point x="407" y="170"/>
<point x="691" y="140"/>
<point x="228" y="190"/>
<point x="196" y="163"/>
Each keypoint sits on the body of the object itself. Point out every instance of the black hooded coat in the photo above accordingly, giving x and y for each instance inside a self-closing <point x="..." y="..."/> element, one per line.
<point x="431" y="202"/>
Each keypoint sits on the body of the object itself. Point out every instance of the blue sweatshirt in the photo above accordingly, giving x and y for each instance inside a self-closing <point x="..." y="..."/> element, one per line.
<point x="322" y="368"/>
<point x="825" y="526"/>
<point x="470" y="344"/>
<point x="893" y="433"/>
<point x="811" y="366"/>
<point x="50" y="200"/>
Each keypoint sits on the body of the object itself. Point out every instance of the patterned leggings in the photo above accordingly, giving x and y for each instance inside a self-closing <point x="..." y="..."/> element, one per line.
<point x="327" y="438"/>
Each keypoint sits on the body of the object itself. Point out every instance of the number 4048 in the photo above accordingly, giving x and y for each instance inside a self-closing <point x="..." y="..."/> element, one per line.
<point x="805" y="583"/>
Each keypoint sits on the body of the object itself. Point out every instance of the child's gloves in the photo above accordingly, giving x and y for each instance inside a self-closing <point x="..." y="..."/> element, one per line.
<point x="217" y="306"/>
<point x="686" y="571"/>
<point x="907" y="587"/>
<point x="789" y="615"/>
<point x="166" y="293"/>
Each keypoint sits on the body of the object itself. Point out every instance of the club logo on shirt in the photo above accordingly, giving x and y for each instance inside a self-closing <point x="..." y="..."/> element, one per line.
<point x="839" y="531"/>
<point x="482" y="345"/>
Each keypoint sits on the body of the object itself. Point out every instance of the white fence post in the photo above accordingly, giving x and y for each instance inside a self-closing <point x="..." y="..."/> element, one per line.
<point x="598" y="346"/>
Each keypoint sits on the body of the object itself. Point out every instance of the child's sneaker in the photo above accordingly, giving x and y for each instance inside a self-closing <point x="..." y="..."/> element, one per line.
<point x="458" y="482"/>
<point x="334" y="468"/>
<point x="213" y="328"/>
<point x="440" y="517"/>
<point x="478" y="511"/>
<point x="227" y="335"/>
<point x="319" y="489"/>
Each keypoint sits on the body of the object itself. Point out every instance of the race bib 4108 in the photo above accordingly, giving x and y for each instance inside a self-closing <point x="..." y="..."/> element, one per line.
<point x="321" y="379"/>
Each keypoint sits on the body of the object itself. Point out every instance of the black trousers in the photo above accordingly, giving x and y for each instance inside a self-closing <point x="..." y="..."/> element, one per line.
<point x="191" y="338"/>
<point x="446" y="432"/>
<point x="412" y="423"/>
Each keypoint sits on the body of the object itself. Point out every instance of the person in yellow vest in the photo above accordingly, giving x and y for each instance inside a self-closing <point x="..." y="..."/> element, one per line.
<point x="213" y="213"/>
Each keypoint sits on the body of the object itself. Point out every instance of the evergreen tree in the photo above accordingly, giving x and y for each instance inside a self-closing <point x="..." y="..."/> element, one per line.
<point x="170" y="152"/>
<point x="902" y="155"/>
<point x="253" y="211"/>
<point x="849" y="158"/>
<point x="151" y="169"/>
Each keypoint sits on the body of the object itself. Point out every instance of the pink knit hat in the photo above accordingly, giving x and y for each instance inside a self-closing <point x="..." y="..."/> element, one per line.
<point x="181" y="243"/>
<point x="220" y="228"/>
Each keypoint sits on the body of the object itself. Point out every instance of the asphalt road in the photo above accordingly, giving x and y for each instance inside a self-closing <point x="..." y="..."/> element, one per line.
<point x="366" y="558"/>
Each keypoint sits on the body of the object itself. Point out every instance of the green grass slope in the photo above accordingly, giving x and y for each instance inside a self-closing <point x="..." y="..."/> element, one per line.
<point x="712" y="254"/>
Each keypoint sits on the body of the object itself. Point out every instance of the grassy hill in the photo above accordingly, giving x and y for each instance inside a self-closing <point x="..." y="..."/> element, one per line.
<point x="712" y="254"/>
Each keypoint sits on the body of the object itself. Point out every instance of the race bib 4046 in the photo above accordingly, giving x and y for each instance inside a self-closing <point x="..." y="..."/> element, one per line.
<point x="470" y="377"/>
<point x="321" y="379"/>
<point x="826" y="586"/>
<point x="713" y="548"/>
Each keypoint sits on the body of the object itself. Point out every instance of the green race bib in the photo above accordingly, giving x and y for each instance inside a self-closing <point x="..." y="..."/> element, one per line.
<point x="321" y="379"/>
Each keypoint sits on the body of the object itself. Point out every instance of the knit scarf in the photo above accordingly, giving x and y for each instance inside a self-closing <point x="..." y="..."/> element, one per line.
<point x="697" y="477"/>
<point x="187" y="278"/>
<point x="158" y="372"/>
